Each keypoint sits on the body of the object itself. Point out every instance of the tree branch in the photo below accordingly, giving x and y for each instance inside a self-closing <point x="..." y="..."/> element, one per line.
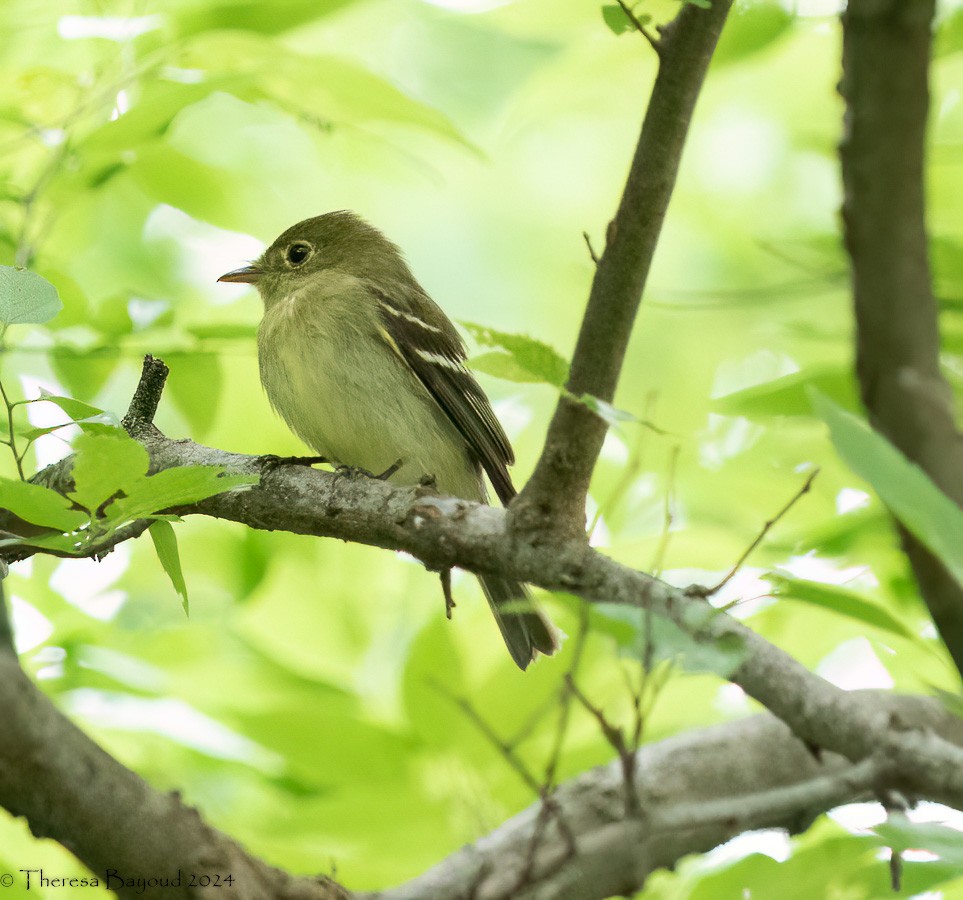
<point x="695" y="791"/>
<point x="886" y="55"/>
<point x="443" y="532"/>
<point x="555" y="495"/>
<point x="70" y="790"/>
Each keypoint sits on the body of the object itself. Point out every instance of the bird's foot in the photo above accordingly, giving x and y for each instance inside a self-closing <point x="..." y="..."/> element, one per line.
<point x="358" y="472"/>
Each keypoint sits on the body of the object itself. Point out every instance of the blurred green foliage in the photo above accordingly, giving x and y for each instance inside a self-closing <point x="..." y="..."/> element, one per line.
<point x="147" y="148"/>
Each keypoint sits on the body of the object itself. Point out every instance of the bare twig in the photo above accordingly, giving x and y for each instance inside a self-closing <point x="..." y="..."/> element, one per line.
<point x="591" y="249"/>
<point x="445" y="575"/>
<point x="709" y="591"/>
<point x="504" y="747"/>
<point x="143" y="405"/>
<point x="668" y="513"/>
<point x="613" y="734"/>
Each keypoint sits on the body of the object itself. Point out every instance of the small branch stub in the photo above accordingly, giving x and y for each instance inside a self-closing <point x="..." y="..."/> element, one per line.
<point x="143" y="405"/>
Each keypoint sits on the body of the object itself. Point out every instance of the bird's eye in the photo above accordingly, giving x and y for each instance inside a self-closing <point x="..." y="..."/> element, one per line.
<point x="298" y="253"/>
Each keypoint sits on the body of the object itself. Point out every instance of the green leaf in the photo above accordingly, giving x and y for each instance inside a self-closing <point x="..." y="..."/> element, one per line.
<point x="953" y="702"/>
<point x="84" y="372"/>
<point x="840" y="600"/>
<point x="104" y="465"/>
<point x="26" y="297"/>
<point x="750" y="28"/>
<point x="902" y="485"/>
<point x="615" y="18"/>
<point x="530" y="359"/>
<point x="901" y="834"/>
<point x="254" y="15"/>
<point x="165" y="544"/>
<point x="39" y="505"/>
<point x="175" y="487"/>
<point x="223" y="330"/>
<point x="949" y="34"/>
<point x="788" y="396"/>
<point x="195" y="387"/>
<point x="633" y="630"/>
<point x="78" y="410"/>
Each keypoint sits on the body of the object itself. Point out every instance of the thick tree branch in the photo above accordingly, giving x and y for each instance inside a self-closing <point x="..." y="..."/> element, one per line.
<point x="886" y="55"/>
<point x="70" y="790"/>
<point x="445" y="532"/>
<point x="555" y="495"/>
<point x="694" y="792"/>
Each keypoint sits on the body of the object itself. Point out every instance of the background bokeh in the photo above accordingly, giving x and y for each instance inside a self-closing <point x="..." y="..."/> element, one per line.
<point x="146" y="148"/>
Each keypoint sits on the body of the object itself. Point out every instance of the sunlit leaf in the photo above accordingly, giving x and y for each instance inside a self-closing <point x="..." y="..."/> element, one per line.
<point x="750" y="28"/>
<point x="840" y="600"/>
<point x="656" y="638"/>
<point x="615" y="18"/>
<point x="528" y="359"/>
<point x="104" y="465"/>
<point x="165" y="544"/>
<point x="39" y="505"/>
<point x="26" y="297"/>
<point x="175" y="487"/>
<point x="787" y="396"/>
<point x="901" y="834"/>
<point x="902" y="485"/>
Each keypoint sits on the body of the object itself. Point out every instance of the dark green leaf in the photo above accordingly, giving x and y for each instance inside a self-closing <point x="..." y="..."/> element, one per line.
<point x="902" y="485"/>
<point x="165" y="544"/>
<point x="39" y="505"/>
<point x="26" y="297"/>
<point x="615" y="18"/>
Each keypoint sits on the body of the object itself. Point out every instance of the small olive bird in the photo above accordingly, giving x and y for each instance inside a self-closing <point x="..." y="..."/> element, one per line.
<point x="366" y="368"/>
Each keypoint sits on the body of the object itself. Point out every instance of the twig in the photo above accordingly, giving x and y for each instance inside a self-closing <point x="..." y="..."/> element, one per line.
<point x="143" y="405"/>
<point x="668" y="516"/>
<point x="591" y="249"/>
<point x="446" y="590"/>
<point x="634" y="19"/>
<point x="503" y="747"/>
<point x="709" y="591"/>
<point x="613" y="734"/>
<point x="565" y="698"/>
<point x="12" y="443"/>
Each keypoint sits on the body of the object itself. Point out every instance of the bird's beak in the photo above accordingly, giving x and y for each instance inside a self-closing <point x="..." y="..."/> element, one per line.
<point x="247" y="274"/>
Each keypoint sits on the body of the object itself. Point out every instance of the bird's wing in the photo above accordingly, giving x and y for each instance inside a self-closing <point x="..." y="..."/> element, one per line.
<point x="434" y="351"/>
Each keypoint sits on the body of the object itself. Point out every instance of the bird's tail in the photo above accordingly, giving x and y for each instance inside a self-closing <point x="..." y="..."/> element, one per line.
<point x="523" y="626"/>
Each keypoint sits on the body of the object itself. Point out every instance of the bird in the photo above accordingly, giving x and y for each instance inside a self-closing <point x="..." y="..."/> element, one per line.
<point x="368" y="370"/>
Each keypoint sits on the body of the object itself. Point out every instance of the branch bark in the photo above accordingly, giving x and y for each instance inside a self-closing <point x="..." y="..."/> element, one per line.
<point x="695" y="791"/>
<point x="70" y="790"/>
<point x="444" y="532"/>
<point x="555" y="495"/>
<point x="886" y="56"/>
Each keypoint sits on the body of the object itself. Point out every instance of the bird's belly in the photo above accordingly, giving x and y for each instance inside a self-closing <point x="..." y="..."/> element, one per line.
<point x="358" y="415"/>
